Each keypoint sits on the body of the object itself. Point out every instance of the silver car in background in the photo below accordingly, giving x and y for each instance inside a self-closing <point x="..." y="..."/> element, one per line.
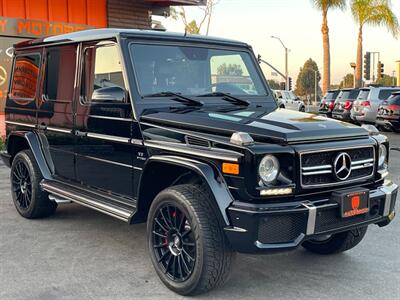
<point x="365" y="108"/>
<point x="288" y="100"/>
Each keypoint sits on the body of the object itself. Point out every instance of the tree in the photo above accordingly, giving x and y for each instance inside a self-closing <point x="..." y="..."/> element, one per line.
<point x="195" y="26"/>
<point x="305" y="84"/>
<point x="230" y="70"/>
<point x="324" y="6"/>
<point x="347" y="82"/>
<point x="374" y="13"/>
<point x="387" y="80"/>
<point x="273" y="84"/>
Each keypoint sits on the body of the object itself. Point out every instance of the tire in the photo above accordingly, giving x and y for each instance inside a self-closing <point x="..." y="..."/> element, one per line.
<point x="302" y="109"/>
<point x="336" y="243"/>
<point x="29" y="200"/>
<point x="201" y="238"/>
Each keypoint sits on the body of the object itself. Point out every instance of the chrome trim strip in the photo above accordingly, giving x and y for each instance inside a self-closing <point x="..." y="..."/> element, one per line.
<point x="358" y="167"/>
<point x="214" y="153"/>
<point x="111" y="118"/>
<point x="341" y="182"/>
<point x="317" y="168"/>
<point x="360" y="162"/>
<point x="108" y="137"/>
<point x="107" y="161"/>
<point x="137" y="142"/>
<point x="317" y="172"/>
<point x="55" y="129"/>
<point x="235" y="229"/>
<point x="21" y="124"/>
<point x="312" y="216"/>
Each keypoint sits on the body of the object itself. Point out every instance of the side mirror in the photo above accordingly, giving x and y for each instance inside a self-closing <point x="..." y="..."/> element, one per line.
<point x="109" y="94"/>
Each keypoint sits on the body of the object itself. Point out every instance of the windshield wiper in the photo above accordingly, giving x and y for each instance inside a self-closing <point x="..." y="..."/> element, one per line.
<point x="227" y="97"/>
<point x="176" y="97"/>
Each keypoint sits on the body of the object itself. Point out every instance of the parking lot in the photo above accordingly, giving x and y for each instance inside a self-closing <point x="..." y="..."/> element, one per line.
<point x="82" y="254"/>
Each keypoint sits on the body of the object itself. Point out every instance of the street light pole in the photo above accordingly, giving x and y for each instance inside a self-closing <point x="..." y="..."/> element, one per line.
<point x="286" y="61"/>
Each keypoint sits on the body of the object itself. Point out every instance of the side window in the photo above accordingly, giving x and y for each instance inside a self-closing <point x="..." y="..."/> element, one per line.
<point x="102" y="73"/>
<point x="384" y="94"/>
<point x="25" y="76"/>
<point x="59" y="76"/>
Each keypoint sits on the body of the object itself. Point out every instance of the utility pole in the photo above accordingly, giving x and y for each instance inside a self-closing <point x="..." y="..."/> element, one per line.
<point x="286" y="61"/>
<point x="353" y="66"/>
<point x="374" y="63"/>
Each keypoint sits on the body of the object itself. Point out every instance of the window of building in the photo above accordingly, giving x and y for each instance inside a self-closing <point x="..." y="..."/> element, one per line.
<point x="59" y="77"/>
<point x="102" y="70"/>
<point x="25" y="76"/>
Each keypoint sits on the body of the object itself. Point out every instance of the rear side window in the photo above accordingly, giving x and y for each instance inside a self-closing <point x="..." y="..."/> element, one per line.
<point x="25" y="76"/>
<point x="384" y="94"/>
<point x="59" y="76"/>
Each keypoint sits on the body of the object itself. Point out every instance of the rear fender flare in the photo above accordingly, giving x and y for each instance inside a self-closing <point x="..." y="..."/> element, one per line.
<point x="35" y="145"/>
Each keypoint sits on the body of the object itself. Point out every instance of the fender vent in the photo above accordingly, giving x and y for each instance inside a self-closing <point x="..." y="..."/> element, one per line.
<point x="197" y="142"/>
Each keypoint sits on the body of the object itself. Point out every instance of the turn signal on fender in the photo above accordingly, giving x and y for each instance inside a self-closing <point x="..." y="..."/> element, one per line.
<point x="229" y="168"/>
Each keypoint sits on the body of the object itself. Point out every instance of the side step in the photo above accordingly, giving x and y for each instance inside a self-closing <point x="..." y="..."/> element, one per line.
<point x="105" y="204"/>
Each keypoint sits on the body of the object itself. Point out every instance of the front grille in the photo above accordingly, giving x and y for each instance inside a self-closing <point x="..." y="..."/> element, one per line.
<point x="317" y="167"/>
<point x="281" y="228"/>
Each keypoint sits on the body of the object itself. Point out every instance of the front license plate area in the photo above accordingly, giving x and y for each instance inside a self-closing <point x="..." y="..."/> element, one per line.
<point x="352" y="202"/>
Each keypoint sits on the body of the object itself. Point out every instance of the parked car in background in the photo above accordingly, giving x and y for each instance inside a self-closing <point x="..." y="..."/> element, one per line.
<point x="365" y="108"/>
<point x="388" y="117"/>
<point x="344" y="103"/>
<point x="288" y="100"/>
<point x="328" y="102"/>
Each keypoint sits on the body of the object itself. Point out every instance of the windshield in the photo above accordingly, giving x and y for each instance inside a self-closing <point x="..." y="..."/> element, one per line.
<point x="363" y="95"/>
<point x="394" y="99"/>
<point x="330" y="96"/>
<point x="194" y="71"/>
<point x="348" y="95"/>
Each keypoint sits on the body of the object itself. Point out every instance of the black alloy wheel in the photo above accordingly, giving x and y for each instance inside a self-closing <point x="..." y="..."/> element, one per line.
<point x="29" y="199"/>
<point x="22" y="185"/>
<point x="174" y="243"/>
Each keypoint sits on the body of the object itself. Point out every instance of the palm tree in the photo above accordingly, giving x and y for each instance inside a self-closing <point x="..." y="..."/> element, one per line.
<point x="324" y="6"/>
<point x="375" y="13"/>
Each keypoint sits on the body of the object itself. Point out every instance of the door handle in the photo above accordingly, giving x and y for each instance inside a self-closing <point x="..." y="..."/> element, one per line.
<point x="80" y="133"/>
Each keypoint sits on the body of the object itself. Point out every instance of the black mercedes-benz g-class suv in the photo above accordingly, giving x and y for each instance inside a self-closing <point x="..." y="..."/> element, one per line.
<point x="182" y="132"/>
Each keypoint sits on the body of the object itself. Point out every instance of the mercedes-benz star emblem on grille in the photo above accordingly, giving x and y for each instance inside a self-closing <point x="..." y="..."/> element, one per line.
<point x="342" y="166"/>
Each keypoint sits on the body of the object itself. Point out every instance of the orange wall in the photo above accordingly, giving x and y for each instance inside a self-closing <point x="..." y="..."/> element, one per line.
<point x="87" y="12"/>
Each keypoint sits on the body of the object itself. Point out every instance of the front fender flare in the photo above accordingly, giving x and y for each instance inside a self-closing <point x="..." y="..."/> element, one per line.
<point x="212" y="177"/>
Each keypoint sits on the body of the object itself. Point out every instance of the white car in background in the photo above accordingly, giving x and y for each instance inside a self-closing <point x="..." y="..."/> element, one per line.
<point x="288" y="100"/>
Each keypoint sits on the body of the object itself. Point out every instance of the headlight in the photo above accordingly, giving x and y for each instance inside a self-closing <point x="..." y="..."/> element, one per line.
<point x="382" y="155"/>
<point x="268" y="169"/>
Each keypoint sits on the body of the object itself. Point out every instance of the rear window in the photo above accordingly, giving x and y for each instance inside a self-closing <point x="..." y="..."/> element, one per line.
<point x="363" y="95"/>
<point x="331" y="95"/>
<point x="384" y="94"/>
<point x="394" y="99"/>
<point x="25" y="76"/>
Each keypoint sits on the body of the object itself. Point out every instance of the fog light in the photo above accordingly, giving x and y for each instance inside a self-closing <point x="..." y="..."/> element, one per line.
<point x="276" y="192"/>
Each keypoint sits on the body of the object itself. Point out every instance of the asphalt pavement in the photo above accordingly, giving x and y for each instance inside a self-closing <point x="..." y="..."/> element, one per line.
<point x="82" y="254"/>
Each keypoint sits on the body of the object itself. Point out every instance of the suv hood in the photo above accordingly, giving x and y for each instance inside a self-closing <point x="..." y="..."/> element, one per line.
<point x="280" y="125"/>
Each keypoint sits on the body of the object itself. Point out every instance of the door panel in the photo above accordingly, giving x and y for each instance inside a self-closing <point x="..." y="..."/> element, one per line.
<point x="104" y="121"/>
<point x="55" y="112"/>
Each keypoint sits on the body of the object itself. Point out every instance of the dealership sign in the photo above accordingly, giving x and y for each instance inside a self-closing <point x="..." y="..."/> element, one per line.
<point x="34" y="28"/>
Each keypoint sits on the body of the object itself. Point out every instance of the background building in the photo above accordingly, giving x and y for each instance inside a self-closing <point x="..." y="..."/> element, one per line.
<point x="25" y="19"/>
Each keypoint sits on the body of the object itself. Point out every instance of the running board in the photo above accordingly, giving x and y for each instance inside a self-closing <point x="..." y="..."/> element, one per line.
<point x="95" y="201"/>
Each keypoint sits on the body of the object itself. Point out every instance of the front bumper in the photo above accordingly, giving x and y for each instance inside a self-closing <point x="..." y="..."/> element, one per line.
<point x="280" y="227"/>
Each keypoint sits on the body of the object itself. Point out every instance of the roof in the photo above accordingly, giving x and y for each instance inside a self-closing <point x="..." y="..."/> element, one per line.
<point x="108" y="33"/>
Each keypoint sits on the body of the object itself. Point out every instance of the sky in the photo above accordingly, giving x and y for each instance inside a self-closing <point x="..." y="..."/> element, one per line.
<point x="298" y="24"/>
